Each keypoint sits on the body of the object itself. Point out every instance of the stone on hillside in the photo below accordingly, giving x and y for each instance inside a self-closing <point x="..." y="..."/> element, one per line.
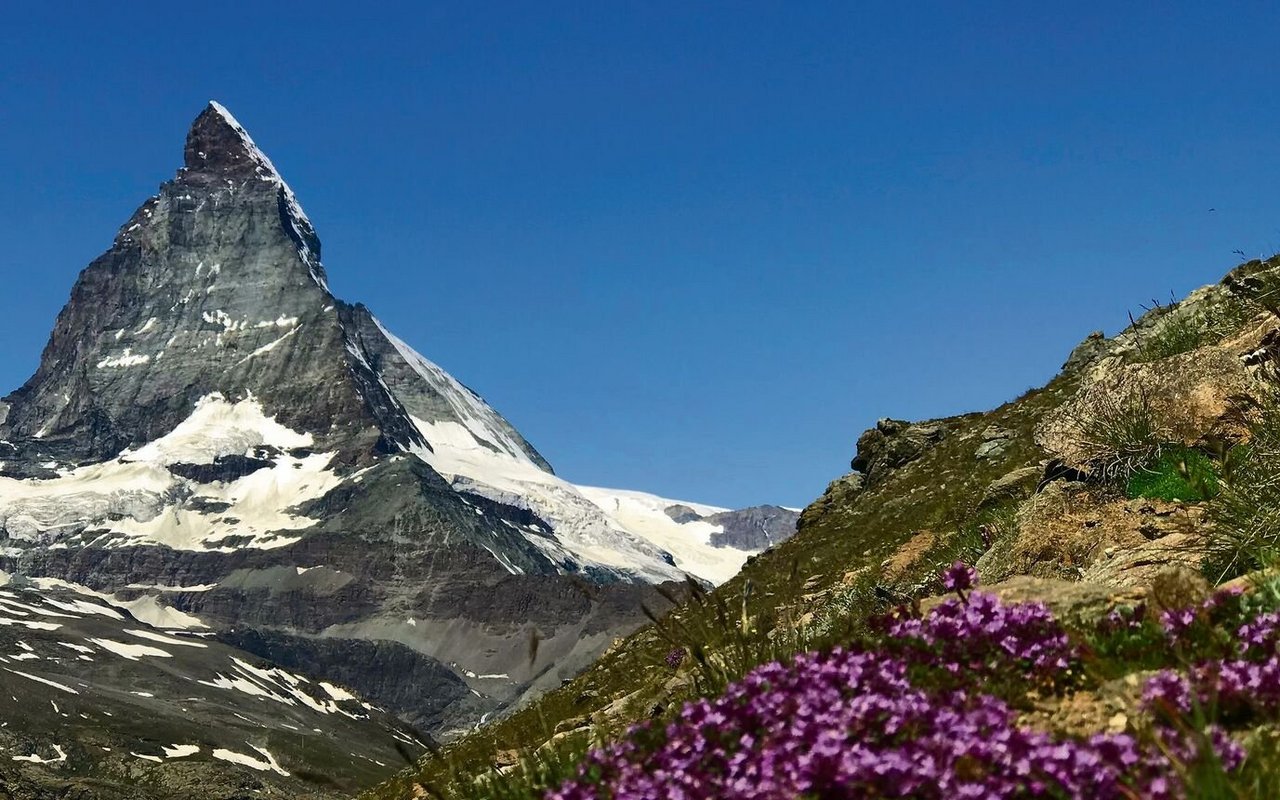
<point x="995" y="440"/>
<point x="1177" y="587"/>
<point x="1072" y="602"/>
<point x="1017" y="485"/>
<point x="1139" y="564"/>
<point x="891" y="444"/>
<point x="841" y="492"/>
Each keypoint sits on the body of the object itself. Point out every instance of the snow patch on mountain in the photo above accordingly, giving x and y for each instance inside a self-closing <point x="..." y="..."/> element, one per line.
<point x="146" y="609"/>
<point x="218" y="428"/>
<point x="137" y="496"/>
<point x="582" y="532"/>
<point x="688" y="542"/>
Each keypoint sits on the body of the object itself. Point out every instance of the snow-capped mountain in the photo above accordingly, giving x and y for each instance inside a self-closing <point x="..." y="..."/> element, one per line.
<point x="216" y="439"/>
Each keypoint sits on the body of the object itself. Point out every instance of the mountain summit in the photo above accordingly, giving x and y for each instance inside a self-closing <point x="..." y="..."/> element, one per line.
<point x="214" y="438"/>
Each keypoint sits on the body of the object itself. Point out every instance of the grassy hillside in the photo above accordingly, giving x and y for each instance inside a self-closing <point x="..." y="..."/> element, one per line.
<point x="1075" y="481"/>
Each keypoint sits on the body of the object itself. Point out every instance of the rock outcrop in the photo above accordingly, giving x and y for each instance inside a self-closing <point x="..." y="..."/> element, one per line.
<point x="891" y="444"/>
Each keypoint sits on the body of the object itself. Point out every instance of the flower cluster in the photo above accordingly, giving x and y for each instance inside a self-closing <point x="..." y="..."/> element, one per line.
<point x="1198" y="625"/>
<point x="1245" y="683"/>
<point x="675" y="657"/>
<point x="978" y="636"/>
<point x="959" y="577"/>
<point x="1260" y="636"/>
<point x="853" y="723"/>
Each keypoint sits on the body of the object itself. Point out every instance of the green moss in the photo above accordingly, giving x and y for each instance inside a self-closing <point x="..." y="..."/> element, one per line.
<point x="1180" y="473"/>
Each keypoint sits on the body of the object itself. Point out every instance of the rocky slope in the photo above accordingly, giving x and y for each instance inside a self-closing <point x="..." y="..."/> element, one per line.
<point x="96" y="703"/>
<point x="216" y="441"/>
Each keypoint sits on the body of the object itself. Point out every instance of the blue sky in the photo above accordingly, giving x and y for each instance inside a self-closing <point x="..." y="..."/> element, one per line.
<point x="691" y="248"/>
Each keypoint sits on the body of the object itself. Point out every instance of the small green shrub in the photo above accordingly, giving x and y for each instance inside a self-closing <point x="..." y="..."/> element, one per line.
<point x="1180" y="473"/>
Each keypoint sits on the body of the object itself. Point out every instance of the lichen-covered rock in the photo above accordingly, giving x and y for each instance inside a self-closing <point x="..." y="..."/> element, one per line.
<point x="840" y="493"/>
<point x="1177" y="587"/>
<point x="995" y="441"/>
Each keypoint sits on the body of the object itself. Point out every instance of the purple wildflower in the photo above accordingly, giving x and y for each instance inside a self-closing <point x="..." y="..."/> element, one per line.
<point x="959" y="578"/>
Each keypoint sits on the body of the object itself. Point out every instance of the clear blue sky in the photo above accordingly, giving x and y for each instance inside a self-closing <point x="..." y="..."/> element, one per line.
<point x="691" y="248"/>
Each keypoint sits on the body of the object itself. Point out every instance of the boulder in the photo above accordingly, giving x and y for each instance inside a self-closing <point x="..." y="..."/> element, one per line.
<point x="995" y="440"/>
<point x="1073" y="531"/>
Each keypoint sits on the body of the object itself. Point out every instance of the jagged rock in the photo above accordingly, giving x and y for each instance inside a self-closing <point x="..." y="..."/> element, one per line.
<point x="682" y="513"/>
<point x="1255" y="281"/>
<point x="1094" y="347"/>
<point x="849" y="484"/>
<point x="754" y="528"/>
<point x="841" y="492"/>
<point x="891" y="444"/>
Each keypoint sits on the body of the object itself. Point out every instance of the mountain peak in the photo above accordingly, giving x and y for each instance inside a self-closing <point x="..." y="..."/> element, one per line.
<point x="218" y="143"/>
<point x="218" y="146"/>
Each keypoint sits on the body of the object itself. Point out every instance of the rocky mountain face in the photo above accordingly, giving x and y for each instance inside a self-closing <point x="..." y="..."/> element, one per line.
<point x="98" y="704"/>
<point x="215" y="441"/>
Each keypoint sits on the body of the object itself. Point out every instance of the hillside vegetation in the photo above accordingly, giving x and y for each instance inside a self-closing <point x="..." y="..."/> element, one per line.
<point x="1106" y="505"/>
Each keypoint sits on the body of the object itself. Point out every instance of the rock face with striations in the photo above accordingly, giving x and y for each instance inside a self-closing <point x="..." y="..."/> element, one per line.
<point x="212" y="435"/>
